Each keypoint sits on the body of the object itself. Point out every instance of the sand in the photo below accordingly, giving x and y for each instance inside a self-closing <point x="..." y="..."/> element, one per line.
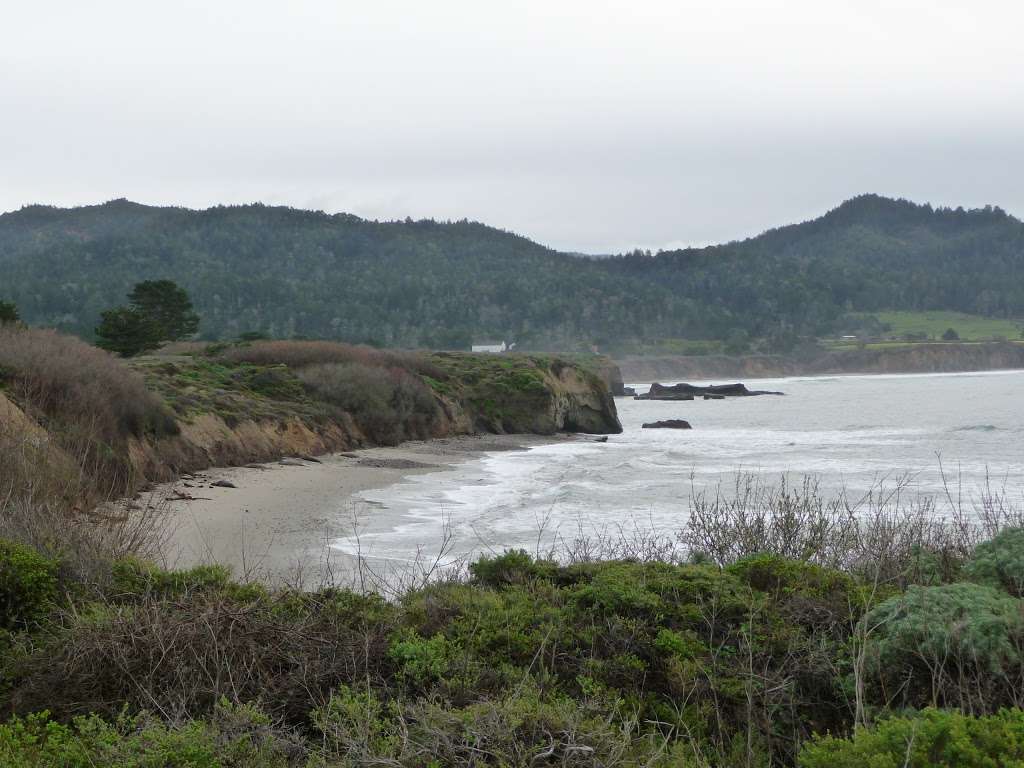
<point x="277" y="523"/>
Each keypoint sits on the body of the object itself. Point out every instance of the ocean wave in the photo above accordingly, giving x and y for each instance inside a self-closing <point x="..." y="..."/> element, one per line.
<point x="977" y="428"/>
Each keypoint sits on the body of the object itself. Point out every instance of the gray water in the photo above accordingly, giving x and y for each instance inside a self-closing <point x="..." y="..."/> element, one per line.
<point x="851" y="432"/>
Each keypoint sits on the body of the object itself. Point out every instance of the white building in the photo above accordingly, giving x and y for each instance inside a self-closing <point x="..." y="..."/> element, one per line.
<point x="495" y="347"/>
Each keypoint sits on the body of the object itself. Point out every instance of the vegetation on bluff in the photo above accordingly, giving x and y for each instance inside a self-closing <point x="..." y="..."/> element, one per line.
<point x="429" y="284"/>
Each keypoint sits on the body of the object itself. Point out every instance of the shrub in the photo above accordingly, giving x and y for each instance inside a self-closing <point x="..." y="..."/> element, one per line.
<point x="389" y="405"/>
<point x="234" y="735"/>
<point x="999" y="562"/>
<point x="302" y="354"/>
<point x="138" y="579"/>
<point x="880" y="537"/>
<point x="520" y="730"/>
<point x="931" y="739"/>
<point x="181" y="656"/>
<point x="9" y="313"/>
<point x="956" y="645"/>
<point x="87" y="400"/>
<point x="28" y="585"/>
<point x="514" y="566"/>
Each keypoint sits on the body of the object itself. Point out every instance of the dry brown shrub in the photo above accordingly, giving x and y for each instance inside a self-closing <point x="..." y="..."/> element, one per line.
<point x="891" y="533"/>
<point x="87" y="400"/>
<point x="300" y="354"/>
<point x="46" y="503"/>
<point x="178" y="657"/>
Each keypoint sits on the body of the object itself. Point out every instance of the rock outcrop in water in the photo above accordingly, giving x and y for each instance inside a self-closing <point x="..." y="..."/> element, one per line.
<point x="689" y="391"/>
<point x="668" y="424"/>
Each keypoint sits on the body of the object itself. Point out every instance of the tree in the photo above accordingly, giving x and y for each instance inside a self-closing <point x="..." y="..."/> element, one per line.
<point x="167" y="306"/>
<point x="951" y="335"/>
<point x="127" y="331"/>
<point x="8" y="313"/>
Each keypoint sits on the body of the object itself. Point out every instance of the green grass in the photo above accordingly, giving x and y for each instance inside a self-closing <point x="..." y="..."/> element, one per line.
<point x="934" y="324"/>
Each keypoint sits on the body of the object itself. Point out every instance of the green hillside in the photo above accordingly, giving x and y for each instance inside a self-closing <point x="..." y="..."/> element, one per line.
<point x="287" y="272"/>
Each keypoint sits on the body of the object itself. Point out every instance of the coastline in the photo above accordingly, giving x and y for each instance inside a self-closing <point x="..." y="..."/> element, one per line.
<point x="277" y="523"/>
<point x="924" y="357"/>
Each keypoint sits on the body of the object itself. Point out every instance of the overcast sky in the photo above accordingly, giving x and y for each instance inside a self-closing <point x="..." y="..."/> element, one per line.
<point x="591" y="126"/>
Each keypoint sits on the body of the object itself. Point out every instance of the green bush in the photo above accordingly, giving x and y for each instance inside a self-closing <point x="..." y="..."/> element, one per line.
<point x="956" y="643"/>
<point x="1000" y="562"/>
<point x="137" y="579"/>
<point x="931" y="739"/>
<point x="513" y="566"/>
<point x="28" y="585"/>
<point x="233" y="736"/>
<point x="521" y="729"/>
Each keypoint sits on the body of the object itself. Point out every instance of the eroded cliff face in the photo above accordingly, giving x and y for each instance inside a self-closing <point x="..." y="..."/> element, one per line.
<point x="916" y="358"/>
<point x="531" y="395"/>
<point x="208" y="441"/>
<point x="221" y="427"/>
<point x="580" y="402"/>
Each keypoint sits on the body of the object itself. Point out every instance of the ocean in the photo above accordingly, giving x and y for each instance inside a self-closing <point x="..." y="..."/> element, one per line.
<point x="935" y="432"/>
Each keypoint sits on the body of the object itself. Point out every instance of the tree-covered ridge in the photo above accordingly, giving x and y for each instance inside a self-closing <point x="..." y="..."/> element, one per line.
<point x="286" y="272"/>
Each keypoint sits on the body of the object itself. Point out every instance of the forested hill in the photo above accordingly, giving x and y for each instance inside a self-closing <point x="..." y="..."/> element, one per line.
<point x="288" y="272"/>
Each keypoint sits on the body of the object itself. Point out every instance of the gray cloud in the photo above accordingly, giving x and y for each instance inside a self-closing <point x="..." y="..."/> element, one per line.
<point x="590" y="126"/>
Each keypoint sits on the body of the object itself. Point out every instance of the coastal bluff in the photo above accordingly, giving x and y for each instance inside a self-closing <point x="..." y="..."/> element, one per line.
<point x="938" y="357"/>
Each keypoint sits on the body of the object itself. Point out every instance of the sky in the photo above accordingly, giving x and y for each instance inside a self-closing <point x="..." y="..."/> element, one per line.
<point x="588" y="126"/>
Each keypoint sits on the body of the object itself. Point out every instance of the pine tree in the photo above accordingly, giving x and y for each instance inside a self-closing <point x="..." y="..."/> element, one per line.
<point x="8" y="313"/>
<point x="167" y="306"/>
<point x="127" y="332"/>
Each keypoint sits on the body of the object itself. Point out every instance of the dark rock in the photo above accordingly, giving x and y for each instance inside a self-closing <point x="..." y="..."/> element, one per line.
<point x="668" y="424"/>
<point x="689" y="391"/>
<point x="222" y="484"/>
<point x="314" y="459"/>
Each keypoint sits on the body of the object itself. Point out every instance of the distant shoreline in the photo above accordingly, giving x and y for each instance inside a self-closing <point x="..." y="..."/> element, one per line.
<point x="943" y="357"/>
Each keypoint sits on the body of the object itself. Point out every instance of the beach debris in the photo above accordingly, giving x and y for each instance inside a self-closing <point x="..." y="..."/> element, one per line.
<point x="291" y="463"/>
<point x="182" y="496"/>
<point x="306" y="457"/>
<point x="222" y="484"/>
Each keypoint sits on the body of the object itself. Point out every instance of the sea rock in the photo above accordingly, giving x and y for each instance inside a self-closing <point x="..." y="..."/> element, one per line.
<point x="689" y="391"/>
<point x="668" y="424"/>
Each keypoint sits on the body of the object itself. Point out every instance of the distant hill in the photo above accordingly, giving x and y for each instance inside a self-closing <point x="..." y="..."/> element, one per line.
<point x="289" y="272"/>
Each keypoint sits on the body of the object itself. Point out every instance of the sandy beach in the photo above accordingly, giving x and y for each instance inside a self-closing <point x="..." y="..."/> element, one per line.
<point x="276" y="524"/>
